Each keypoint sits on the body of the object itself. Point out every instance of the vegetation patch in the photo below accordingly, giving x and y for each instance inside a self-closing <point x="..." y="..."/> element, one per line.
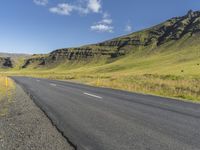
<point x="162" y="60"/>
<point x="6" y="91"/>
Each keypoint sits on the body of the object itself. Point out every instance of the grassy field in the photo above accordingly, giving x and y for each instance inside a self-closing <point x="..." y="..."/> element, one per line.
<point x="171" y="70"/>
<point x="6" y="88"/>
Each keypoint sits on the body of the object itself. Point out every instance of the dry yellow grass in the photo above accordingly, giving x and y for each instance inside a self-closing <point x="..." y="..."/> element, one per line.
<point x="171" y="70"/>
<point x="164" y="85"/>
<point x="168" y="85"/>
<point x="6" y="87"/>
<point x="6" y="84"/>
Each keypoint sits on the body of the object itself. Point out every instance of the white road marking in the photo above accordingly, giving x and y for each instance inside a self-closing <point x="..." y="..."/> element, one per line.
<point x="38" y="80"/>
<point x="52" y="84"/>
<point x="93" y="95"/>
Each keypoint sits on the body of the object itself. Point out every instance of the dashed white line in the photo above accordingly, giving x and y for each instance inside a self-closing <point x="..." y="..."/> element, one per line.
<point x="38" y="80"/>
<point x="52" y="84"/>
<point x="93" y="95"/>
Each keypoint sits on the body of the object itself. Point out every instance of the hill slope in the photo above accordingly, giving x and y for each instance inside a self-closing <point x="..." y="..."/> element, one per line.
<point x="12" y="60"/>
<point x="172" y="30"/>
<point x="162" y="60"/>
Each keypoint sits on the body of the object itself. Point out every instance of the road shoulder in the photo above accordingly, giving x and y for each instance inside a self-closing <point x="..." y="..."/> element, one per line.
<point x="26" y="127"/>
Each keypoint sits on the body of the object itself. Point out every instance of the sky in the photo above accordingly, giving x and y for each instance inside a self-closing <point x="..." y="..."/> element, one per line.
<point x="41" y="26"/>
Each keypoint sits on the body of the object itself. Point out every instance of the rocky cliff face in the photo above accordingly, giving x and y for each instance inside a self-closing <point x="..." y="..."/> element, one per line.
<point x="171" y="30"/>
<point x="5" y="62"/>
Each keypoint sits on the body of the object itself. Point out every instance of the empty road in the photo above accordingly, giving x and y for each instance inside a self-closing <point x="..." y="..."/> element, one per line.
<point x="105" y="119"/>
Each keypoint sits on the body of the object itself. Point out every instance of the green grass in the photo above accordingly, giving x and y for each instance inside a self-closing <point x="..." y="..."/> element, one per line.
<point x="172" y="70"/>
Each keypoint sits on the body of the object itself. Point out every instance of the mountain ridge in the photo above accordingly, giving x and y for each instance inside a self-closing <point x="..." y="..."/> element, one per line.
<point x="162" y="60"/>
<point x="171" y="30"/>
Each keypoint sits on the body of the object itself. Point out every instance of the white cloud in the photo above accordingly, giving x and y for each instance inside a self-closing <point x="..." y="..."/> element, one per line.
<point x="128" y="28"/>
<point x="102" y="28"/>
<point x="106" y="15"/>
<point x="88" y="6"/>
<point x="62" y="9"/>
<point x="106" y="21"/>
<point x="105" y="25"/>
<point x="94" y="5"/>
<point x="81" y="9"/>
<point x="41" y="2"/>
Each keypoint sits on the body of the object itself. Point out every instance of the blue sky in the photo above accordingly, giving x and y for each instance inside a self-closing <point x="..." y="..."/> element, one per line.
<point x="40" y="26"/>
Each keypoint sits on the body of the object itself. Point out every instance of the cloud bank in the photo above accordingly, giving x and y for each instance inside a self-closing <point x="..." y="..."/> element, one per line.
<point x="83" y="7"/>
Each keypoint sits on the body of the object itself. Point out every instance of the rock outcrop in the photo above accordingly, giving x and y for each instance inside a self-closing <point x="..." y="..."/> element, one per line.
<point x="5" y="62"/>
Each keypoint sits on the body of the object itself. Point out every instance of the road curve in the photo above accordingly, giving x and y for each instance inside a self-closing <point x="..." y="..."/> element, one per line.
<point x="105" y="119"/>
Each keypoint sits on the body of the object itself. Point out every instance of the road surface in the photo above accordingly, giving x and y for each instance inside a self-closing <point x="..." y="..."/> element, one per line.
<point x="105" y="119"/>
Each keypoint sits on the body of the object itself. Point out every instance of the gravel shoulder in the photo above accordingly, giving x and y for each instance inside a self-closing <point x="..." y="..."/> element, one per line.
<point x="26" y="127"/>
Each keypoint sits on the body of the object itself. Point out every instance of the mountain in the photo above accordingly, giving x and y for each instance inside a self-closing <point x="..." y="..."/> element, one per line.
<point x="162" y="60"/>
<point x="10" y="60"/>
<point x="14" y="55"/>
<point x="172" y="30"/>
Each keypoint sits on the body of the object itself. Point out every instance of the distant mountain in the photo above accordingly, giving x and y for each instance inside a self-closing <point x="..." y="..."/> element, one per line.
<point x="162" y="60"/>
<point x="172" y="30"/>
<point x="14" y="55"/>
<point x="10" y="60"/>
<point x="169" y="32"/>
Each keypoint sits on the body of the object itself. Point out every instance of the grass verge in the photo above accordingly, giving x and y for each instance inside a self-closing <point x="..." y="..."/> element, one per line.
<point x="170" y="70"/>
<point x="174" y="86"/>
<point x="6" y="88"/>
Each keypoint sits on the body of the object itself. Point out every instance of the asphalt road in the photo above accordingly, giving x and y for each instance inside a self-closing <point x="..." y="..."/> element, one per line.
<point x="106" y="119"/>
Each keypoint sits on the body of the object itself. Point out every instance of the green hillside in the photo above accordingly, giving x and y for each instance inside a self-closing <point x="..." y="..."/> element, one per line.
<point x="162" y="60"/>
